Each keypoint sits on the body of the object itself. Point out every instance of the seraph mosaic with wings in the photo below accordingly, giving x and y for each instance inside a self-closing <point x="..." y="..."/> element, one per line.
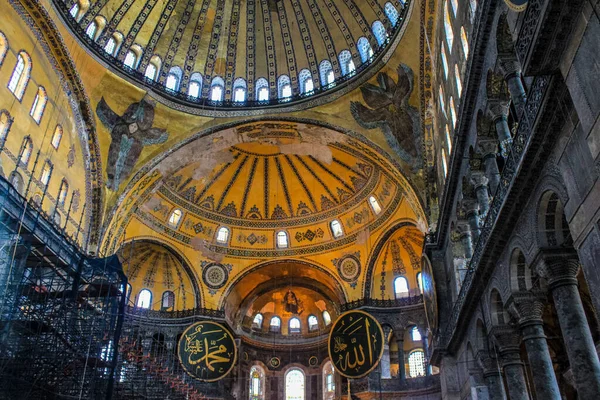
<point x="387" y="108"/>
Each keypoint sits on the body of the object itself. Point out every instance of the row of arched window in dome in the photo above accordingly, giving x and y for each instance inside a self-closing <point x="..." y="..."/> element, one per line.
<point x="401" y="288"/>
<point x="281" y="237"/>
<point x="262" y="92"/>
<point x="144" y="299"/>
<point x="294" y="324"/>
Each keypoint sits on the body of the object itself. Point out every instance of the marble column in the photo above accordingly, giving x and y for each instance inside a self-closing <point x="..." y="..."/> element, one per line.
<point x="425" y="340"/>
<point x="488" y="148"/>
<point x="480" y="184"/>
<point x="532" y="329"/>
<point x="492" y="376"/>
<point x="512" y="74"/>
<point x="471" y="207"/>
<point x="510" y="358"/>
<point x="385" y="358"/>
<point x="499" y="112"/>
<point x="464" y="230"/>
<point x="560" y="268"/>
<point x="401" y="364"/>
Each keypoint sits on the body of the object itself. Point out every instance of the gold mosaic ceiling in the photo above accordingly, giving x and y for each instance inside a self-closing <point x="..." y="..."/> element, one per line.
<point x="249" y="40"/>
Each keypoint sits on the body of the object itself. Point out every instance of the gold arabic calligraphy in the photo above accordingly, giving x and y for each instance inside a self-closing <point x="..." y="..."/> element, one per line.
<point x="356" y="328"/>
<point x="205" y="353"/>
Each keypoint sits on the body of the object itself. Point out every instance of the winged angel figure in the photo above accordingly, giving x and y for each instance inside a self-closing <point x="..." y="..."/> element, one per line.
<point x="390" y="111"/>
<point x="129" y="134"/>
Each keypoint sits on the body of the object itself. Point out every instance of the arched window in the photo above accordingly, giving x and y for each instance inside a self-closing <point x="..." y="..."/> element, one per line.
<point x="217" y="89"/>
<point x="74" y="11"/>
<point x="346" y="63"/>
<point x="239" y="90"/>
<point x="294" y="385"/>
<point x="448" y="140"/>
<point x="131" y="59"/>
<point x="400" y="287"/>
<point x="57" y="136"/>
<point x="144" y="299"/>
<point x="452" y="112"/>
<point x="168" y="300"/>
<point x="391" y="13"/>
<point x="364" y="49"/>
<point x="448" y="27"/>
<point x="336" y="228"/>
<point x="454" y="7"/>
<point x="5" y="124"/>
<point x="442" y="103"/>
<point x="464" y="41"/>
<point x="174" y="79"/>
<point x="313" y="323"/>
<point x="39" y="105"/>
<point x="284" y="87"/>
<point x="175" y="218"/>
<point x="326" y="318"/>
<point x="444" y="62"/>
<point x="3" y="47"/>
<point x="257" y="377"/>
<point x="458" y="81"/>
<point x="223" y="235"/>
<point x="374" y="205"/>
<point x="294" y="325"/>
<point x="16" y="180"/>
<point x="275" y="325"/>
<point x="258" y="320"/>
<point x="153" y="67"/>
<point x="195" y="86"/>
<point x="416" y="364"/>
<point x="444" y="163"/>
<point x="415" y="335"/>
<point x="262" y="89"/>
<point x="420" y="282"/>
<point x="379" y="32"/>
<point x="110" y="46"/>
<point x="46" y="173"/>
<point x="91" y="30"/>
<point x="306" y="82"/>
<point x="282" y="240"/>
<point x="326" y="73"/>
<point x="20" y="76"/>
<point x="26" y="150"/>
<point x="62" y="192"/>
<point x="328" y="381"/>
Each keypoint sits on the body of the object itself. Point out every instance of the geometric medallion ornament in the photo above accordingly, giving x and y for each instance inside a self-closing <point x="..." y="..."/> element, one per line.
<point x="207" y="351"/>
<point x="355" y="344"/>
<point x="517" y="5"/>
<point x="215" y="275"/>
<point x="348" y="267"/>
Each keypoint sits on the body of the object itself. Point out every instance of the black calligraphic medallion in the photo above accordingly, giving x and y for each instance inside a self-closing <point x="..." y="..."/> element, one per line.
<point x="207" y="351"/>
<point x="355" y="344"/>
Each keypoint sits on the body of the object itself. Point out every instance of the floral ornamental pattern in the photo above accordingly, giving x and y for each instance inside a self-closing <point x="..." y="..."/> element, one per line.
<point x="348" y="267"/>
<point x="129" y="133"/>
<point x="388" y="109"/>
<point x="215" y="275"/>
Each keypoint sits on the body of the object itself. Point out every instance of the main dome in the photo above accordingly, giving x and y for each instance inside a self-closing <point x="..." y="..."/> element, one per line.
<point x="239" y="53"/>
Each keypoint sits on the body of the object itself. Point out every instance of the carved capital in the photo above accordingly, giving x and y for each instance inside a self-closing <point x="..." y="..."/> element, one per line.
<point x="470" y="205"/>
<point x="478" y="179"/>
<point x="558" y="266"/>
<point x="498" y="108"/>
<point x="510" y="66"/>
<point x="508" y="340"/>
<point x="490" y="366"/>
<point x="496" y="87"/>
<point x="529" y="306"/>
<point x="487" y="147"/>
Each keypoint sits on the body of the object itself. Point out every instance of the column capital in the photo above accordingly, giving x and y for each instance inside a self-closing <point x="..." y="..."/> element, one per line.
<point x="530" y="308"/>
<point x="490" y="366"/>
<point x="479" y="179"/>
<point x="559" y="266"/>
<point x="510" y="66"/>
<point x="487" y="146"/>
<point x="498" y="108"/>
<point x="509" y="341"/>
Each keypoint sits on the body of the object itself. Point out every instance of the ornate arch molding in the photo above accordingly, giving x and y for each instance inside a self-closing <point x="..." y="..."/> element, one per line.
<point x="550" y="182"/>
<point x="185" y="263"/>
<point x="35" y="16"/>
<point x="377" y="250"/>
<point x="230" y="286"/>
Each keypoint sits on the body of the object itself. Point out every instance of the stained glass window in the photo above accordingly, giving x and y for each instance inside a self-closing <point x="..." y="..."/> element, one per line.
<point x="39" y="104"/>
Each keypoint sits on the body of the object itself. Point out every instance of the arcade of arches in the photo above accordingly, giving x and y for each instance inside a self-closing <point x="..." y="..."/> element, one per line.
<point x="266" y="166"/>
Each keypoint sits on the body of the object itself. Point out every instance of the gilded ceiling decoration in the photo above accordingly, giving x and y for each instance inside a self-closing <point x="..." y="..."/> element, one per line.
<point x="270" y="49"/>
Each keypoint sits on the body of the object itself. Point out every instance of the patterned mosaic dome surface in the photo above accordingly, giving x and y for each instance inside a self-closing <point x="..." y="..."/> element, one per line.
<point x="239" y="53"/>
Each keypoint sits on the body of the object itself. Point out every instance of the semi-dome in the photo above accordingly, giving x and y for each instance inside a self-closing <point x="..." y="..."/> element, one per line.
<point x="234" y="53"/>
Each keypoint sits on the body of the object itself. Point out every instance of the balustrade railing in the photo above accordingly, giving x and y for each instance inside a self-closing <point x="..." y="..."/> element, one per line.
<point x="383" y="303"/>
<point x="194" y="312"/>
